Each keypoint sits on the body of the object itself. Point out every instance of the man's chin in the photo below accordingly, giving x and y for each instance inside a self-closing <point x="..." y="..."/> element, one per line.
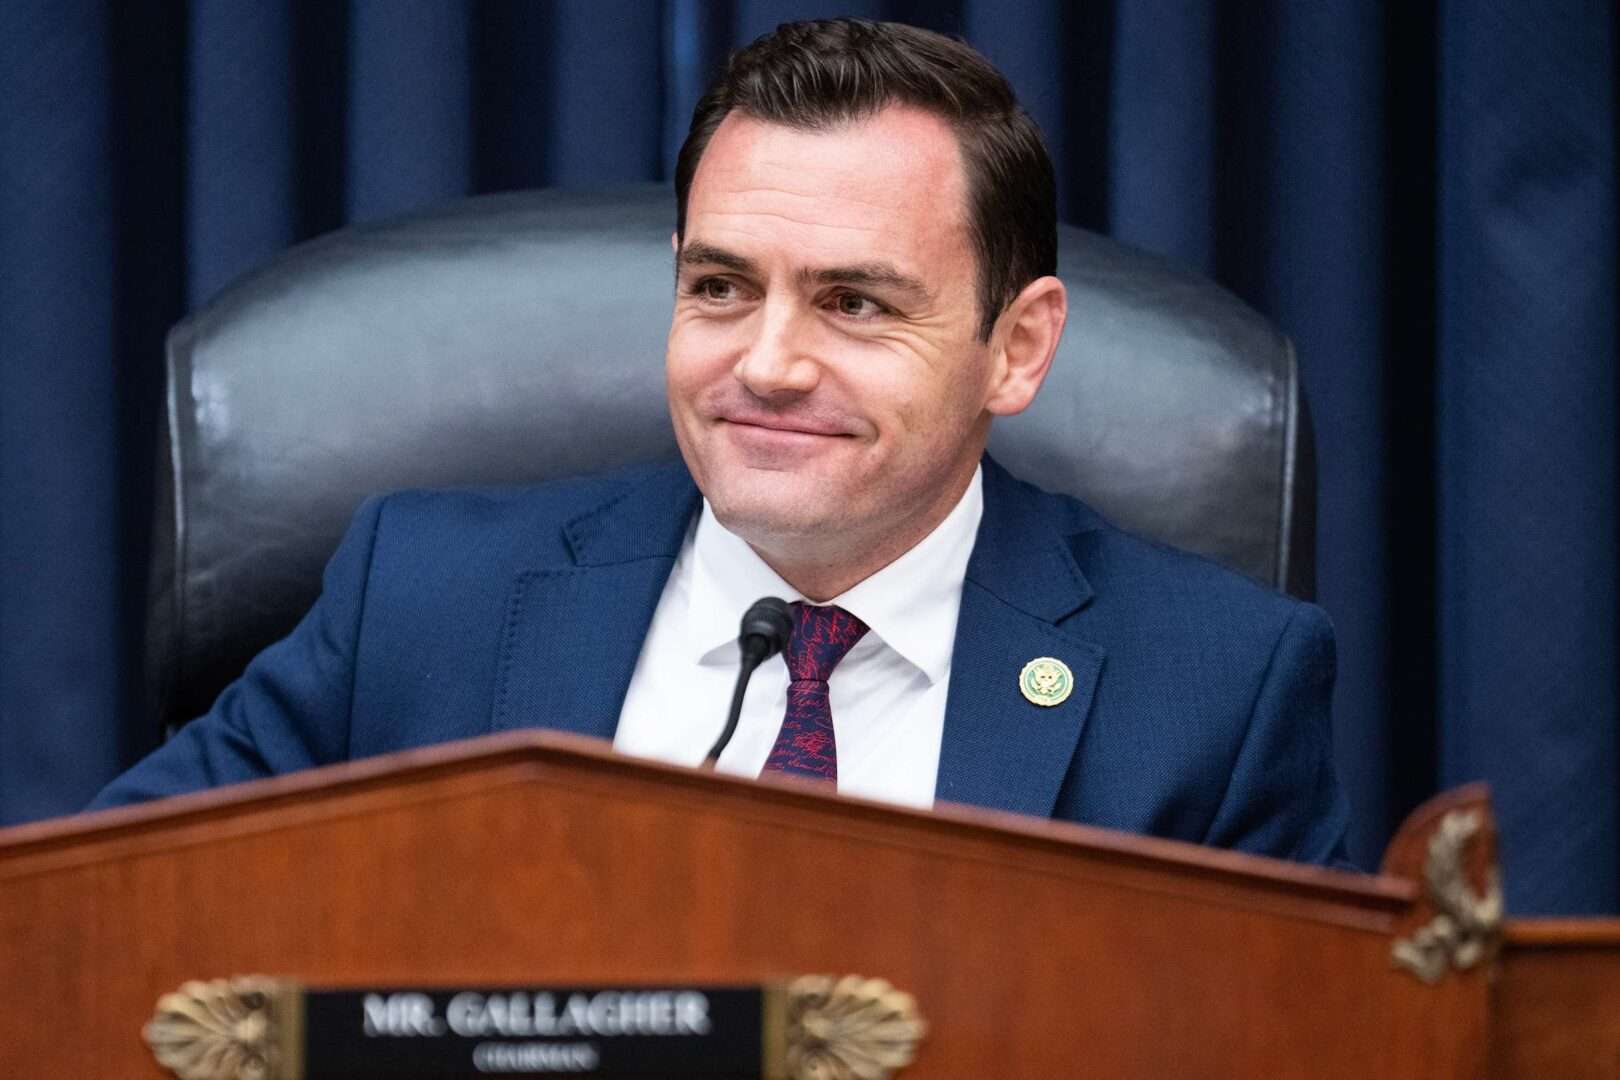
<point x="769" y="517"/>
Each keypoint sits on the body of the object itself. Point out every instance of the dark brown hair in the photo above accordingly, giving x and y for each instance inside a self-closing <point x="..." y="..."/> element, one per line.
<point x="827" y="72"/>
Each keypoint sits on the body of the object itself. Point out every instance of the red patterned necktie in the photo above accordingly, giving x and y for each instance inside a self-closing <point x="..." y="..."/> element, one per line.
<point x="822" y="636"/>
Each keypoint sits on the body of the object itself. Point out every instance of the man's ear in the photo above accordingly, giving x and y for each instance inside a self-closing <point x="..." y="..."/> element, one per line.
<point x="1023" y="342"/>
<point x="675" y="243"/>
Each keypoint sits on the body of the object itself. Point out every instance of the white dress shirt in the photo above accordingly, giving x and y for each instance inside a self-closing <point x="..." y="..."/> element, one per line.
<point x="887" y="695"/>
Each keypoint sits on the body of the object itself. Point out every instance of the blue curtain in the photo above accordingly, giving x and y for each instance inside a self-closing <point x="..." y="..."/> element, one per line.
<point x="1421" y="194"/>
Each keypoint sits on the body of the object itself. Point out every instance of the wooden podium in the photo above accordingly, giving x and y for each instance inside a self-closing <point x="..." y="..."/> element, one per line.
<point x="1032" y="949"/>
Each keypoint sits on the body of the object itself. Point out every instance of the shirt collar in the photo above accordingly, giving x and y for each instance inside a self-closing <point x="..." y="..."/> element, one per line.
<point x="911" y="604"/>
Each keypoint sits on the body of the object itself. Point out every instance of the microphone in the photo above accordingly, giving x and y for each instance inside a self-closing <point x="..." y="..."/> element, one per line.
<point x="766" y="628"/>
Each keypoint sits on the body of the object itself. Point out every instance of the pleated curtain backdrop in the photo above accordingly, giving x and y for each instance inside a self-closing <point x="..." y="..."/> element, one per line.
<point x="1421" y="194"/>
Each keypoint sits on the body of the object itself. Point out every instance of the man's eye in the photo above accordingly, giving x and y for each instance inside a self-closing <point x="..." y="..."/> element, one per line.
<point x="855" y="306"/>
<point x="713" y="289"/>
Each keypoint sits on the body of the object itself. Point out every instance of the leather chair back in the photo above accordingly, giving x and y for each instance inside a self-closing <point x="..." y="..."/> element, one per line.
<point x="513" y="338"/>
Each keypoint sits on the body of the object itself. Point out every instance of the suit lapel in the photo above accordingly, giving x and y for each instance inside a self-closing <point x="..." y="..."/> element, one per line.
<point x="573" y="632"/>
<point x="1000" y="750"/>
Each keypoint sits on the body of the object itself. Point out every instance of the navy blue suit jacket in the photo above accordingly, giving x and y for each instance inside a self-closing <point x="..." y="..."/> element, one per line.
<point x="1200" y="706"/>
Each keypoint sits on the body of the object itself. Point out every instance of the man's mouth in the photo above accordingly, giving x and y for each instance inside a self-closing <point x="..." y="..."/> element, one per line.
<point x="784" y="426"/>
<point x="779" y="442"/>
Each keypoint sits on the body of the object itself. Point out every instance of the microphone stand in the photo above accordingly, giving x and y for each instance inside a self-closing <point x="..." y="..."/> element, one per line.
<point x="766" y="628"/>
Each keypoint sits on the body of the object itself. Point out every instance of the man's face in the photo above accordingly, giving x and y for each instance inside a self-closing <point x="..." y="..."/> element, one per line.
<point x="825" y="378"/>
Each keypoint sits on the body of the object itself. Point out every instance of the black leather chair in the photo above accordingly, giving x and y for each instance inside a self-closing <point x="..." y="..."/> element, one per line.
<point x="512" y="338"/>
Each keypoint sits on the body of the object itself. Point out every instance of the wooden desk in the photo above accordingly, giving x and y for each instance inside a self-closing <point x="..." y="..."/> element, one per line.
<point x="1034" y="949"/>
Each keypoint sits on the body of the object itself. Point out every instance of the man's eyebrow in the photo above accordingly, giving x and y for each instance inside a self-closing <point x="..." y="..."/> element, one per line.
<point x="875" y="275"/>
<point x="701" y="254"/>
<point x="878" y="275"/>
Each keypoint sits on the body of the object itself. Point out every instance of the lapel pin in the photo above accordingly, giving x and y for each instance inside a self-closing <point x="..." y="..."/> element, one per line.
<point x="1046" y="681"/>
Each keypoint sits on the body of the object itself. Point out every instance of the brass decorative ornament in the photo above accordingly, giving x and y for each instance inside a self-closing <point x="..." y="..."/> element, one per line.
<point x="227" y="1029"/>
<point x="848" y="1028"/>
<point x="1046" y="681"/>
<point x="1468" y="924"/>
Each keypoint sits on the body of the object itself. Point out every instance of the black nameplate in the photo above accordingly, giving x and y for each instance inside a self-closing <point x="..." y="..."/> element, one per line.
<point x="616" y="1033"/>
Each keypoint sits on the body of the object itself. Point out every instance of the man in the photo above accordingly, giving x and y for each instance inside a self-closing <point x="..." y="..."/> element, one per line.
<point x="864" y="252"/>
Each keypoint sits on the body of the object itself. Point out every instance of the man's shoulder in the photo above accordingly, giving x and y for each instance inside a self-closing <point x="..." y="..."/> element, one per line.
<point x="535" y="518"/>
<point x="1183" y="589"/>
<point x="1163" y="590"/>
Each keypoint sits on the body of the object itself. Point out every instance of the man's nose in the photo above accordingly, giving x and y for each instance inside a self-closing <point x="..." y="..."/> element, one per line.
<point x="777" y="361"/>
